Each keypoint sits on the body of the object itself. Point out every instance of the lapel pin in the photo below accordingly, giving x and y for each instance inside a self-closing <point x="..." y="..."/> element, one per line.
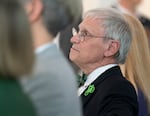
<point x="90" y="89"/>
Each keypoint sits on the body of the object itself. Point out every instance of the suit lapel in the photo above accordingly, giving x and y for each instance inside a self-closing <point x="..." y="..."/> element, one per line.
<point x="114" y="71"/>
<point x="86" y="98"/>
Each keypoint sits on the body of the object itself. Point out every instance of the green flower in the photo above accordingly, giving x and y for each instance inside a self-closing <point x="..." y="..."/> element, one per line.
<point x="90" y="89"/>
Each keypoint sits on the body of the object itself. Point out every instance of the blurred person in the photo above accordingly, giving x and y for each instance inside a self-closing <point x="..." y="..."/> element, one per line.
<point x="52" y="86"/>
<point x="64" y="40"/>
<point x="146" y="23"/>
<point x="16" y="59"/>
<point x="100" y="45"/>
<point x="136" y="67"/>
<point x="129" y="6"/>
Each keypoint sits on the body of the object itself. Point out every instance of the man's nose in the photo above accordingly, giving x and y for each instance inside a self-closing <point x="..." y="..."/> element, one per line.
<point x="75" y="39"/>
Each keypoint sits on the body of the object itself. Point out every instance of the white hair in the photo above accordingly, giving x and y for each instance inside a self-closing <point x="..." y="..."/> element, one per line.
<point x="116" y="27"/>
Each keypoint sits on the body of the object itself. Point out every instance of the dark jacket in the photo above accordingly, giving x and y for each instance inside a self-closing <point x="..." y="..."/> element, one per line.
<point x="113" y="96"/>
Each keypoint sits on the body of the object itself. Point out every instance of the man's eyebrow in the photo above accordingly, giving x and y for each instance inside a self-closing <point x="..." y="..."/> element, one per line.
<point x="81" y="28"/>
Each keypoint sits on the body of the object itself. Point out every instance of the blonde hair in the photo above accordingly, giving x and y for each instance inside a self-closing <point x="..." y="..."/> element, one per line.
<point x="136" y="67"/>
<point x="16" y="49"/>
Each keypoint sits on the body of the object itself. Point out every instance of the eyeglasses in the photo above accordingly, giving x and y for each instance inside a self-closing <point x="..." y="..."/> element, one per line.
<point x="84" y="35"/>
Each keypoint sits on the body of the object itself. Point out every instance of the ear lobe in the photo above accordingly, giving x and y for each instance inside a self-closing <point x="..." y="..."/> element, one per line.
<point x="113" y="48"/>
<point x="34" y="10"/>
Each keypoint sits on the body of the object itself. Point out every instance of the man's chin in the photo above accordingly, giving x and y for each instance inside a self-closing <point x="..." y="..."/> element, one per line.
<point x="72" y="57"/>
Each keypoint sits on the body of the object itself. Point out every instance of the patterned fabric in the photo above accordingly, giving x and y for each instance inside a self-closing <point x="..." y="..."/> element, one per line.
<point x="82" y="79"/>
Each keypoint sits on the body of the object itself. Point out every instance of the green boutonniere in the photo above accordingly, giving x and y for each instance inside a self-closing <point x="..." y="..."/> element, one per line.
<point x="90" y="89"/>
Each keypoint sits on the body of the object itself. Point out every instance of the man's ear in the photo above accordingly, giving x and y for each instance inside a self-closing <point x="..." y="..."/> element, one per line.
<point x="113" y="48"/>
<point x="34" y="10"/>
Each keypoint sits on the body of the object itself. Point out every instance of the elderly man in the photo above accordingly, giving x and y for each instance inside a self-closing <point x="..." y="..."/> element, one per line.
<point x="100" y="45"/>
<point x="52" y="86"/>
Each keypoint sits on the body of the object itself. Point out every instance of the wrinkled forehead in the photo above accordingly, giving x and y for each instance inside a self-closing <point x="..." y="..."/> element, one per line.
<point x="92" y="25"/>
<point x="90" y="21"/>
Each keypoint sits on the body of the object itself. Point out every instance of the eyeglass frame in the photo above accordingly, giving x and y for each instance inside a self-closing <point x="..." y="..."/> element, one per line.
<point x="74" y="33"/>
<point x="83" y="36"/>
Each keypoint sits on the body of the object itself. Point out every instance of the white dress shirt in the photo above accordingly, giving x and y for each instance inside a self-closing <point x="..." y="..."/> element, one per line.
<point x="93" y="76"/>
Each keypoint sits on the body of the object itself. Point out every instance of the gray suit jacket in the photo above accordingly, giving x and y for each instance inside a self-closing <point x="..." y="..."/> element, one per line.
<point x="52" y="86"/>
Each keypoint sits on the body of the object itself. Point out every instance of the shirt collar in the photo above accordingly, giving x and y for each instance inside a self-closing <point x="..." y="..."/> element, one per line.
<point x="47" y="45"/>
<point x="56" y="40"/>
<point x="42" y="48"/>
<point x="94" y="75"/>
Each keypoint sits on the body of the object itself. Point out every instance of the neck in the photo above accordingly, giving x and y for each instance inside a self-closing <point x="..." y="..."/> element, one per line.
<point x="90" y="67"/>
<point x="40" y="35"/>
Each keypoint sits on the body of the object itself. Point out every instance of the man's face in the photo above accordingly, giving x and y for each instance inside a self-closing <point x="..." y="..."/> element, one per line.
<point x="91" y="48"/>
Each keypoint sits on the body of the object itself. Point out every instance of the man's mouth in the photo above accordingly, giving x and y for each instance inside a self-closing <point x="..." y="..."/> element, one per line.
<point x="74" y="49"/>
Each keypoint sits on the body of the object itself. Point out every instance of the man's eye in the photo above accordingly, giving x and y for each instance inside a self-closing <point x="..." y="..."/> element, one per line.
<point x="84" y="33"/>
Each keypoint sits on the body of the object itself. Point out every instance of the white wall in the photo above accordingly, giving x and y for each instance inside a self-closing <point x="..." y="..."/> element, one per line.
<point x="144" y="8"/>
<point x="91" y="4"/>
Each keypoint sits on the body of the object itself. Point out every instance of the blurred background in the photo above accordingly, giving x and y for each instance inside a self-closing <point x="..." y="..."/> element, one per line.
<point x="143" y="8"/>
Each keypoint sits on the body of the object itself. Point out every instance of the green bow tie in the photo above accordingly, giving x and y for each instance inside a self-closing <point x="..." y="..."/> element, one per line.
<point x="82" y="79"/>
